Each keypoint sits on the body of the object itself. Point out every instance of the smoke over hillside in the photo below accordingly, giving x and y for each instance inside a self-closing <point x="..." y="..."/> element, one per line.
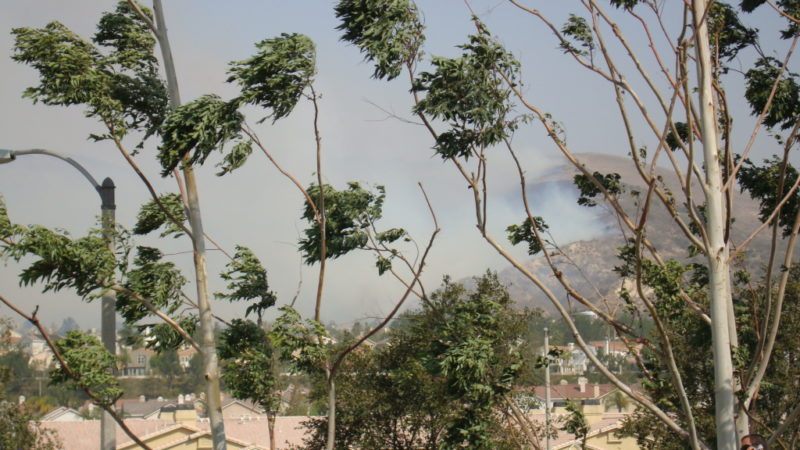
<point x="589" y="259"/>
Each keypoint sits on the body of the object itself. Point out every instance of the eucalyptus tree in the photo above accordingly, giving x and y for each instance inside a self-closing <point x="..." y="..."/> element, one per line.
<point x="473" y="104"/>
<point x="115" y="78"/>
<point x="439" y="382"/>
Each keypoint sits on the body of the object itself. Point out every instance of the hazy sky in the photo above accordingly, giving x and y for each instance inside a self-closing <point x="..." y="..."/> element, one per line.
<point x="256" y="206"/>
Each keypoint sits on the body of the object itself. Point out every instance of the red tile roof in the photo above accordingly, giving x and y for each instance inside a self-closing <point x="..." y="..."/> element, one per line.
<point x="573" y="391"/>
<point x="85" y="435"/>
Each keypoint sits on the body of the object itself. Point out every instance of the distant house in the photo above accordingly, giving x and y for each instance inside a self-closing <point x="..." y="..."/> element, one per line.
<point x="137" y="362"/>
<point x="573" y="360"/>
<point x="236" y="409"/>
<point x="142" y="408"/>
<point x="185" y="355"/>
<point x="63" y="414"/>
<point x="604" y="395"/>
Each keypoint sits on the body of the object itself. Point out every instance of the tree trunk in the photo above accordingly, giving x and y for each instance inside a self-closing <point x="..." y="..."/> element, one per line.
<point x="331" y="414"/>
<point x="718" y="252"/>
<point x="207" y="344"/>
<point x="271" y="426"/>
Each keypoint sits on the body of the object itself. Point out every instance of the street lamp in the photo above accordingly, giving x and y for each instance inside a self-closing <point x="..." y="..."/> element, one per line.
<point x="108" y="325"/>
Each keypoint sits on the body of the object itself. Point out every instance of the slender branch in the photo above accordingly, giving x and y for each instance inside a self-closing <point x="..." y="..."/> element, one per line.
<point x="783" y="13"/>
<point x="755" y="382"/>
<point x="34" y="320"/>
<point x="150" y="307"/>
<point x="620" y="327"/>
<point x="771" y="220"/>
<point x="323" y="216"/>
<point x="147" y="183"/>
<point x="793" y="416"/>
<point x="410" y="287"/>
<point x="524" y="423"/>
<point x="667" y="352"/>
<point x="145" y="18"/>
<point x="254" y="138"/>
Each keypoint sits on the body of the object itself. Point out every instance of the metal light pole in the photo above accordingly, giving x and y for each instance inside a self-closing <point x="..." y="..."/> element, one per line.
<point x="108" y="324"/>
<point x="547" y="390"/>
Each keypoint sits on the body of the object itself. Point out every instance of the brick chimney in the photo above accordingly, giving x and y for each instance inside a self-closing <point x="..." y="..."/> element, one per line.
<point x="142" y="399"/>
<point x="596" y="390"/>
<point x="582" y="384"/>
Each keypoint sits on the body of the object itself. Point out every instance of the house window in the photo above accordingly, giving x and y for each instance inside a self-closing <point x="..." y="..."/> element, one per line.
<point x="142" y="360"/>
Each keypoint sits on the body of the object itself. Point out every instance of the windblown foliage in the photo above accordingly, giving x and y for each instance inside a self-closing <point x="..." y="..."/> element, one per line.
<point x="389" y="33"/>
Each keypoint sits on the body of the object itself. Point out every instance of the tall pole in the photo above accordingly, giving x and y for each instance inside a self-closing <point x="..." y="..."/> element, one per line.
<point x="547" y="390"/>
<point x="108" y="323"/>
<point x="108" y="316"/>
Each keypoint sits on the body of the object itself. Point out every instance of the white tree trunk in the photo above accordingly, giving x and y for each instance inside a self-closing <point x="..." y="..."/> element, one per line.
<point x="207" y="343"/>
<point x="718" y="252"/>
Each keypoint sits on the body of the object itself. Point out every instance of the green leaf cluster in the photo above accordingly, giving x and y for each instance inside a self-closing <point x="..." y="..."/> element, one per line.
<point x="474" y="348"/>
<point x="674" y="140"/>
<point x="7" y="228"/>
<point x="19" y="429"/>
<point x="588" y="190"/>
<point x="625" y="4"/>
<point x="199" y="127"/>
<point x="248" y="369"/>
<point x="471" y="95"/>
<point x="525" y="233"/>
<point x="763" y="183"/>
<point x="436" y="381"/>
<point x="85" y="264"/>
<point x="578" y="29"/>
<point x="115" y="77"/>
<point x="349" y="214"/>
<point x="389" y="33"/>
<point x="91" y="366"/>
<point x="727" y="35"/>
<point x="152" y="217"/>
<point x="784" y="110"/>
<point x="159" y="281"/>
<point x="299" y="342"/>
<point x="247" y="280"/>
<point x="162" y="337"/>
<point x="276" y="76"/>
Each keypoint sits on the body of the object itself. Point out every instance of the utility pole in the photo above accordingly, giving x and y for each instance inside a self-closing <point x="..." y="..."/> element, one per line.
<point x="108" y="314"/>
<point x="108" y="317"/>
<point x="547" y="390"/>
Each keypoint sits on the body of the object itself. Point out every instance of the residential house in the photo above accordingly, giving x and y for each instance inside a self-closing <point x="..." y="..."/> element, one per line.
<point x="142" y="408"/>
<point x="185" y="355"/>
<point x="605" y="395"/>
<point x="573" y="360"/>
<point x="63" y="414"/>
<point x="41" y="357"/>
<point x="137" y="362"/>
<point x="600" y="404"/>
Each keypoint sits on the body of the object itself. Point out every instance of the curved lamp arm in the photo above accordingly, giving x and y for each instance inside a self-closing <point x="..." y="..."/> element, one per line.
<point x="10" y="155"/>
